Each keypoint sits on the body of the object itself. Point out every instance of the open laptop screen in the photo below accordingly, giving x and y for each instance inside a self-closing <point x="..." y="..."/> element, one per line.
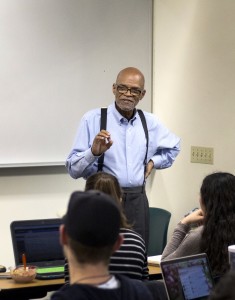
<point x="39" y="240"/>
<point x="187" y="278"/>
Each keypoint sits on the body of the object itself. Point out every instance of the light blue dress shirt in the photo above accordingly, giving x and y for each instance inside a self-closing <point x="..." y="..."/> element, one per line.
<point x="125" y="158"/>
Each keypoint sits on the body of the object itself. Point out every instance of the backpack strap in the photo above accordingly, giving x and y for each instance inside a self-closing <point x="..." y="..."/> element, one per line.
<point x="103" y="124"/>
<point x="144" y="124"/>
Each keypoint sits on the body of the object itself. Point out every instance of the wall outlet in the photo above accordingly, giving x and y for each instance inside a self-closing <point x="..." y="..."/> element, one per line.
<point x="202" y="155"/>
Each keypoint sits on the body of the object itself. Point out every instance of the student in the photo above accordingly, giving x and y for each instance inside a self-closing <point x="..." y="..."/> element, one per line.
<point x="217" y="214"/>
<point x="225" y="288"/>
<point x="128" y="154"/>
<point x="131" y="258"/>
<point x="89" y="235"/>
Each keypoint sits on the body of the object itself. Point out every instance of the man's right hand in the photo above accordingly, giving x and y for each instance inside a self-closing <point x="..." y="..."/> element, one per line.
<point x="101" y="143"/>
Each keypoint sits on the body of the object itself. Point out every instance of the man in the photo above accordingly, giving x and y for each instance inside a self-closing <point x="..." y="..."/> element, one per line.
<point x="89" y="235"/>
<point x="131" y="152"/>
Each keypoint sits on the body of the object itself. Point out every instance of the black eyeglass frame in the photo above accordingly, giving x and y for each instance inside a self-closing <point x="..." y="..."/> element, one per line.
<point x="137" y="92"/>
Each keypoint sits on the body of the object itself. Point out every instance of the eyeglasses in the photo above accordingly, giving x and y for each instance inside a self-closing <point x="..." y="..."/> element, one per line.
<point x="123" y="89"/>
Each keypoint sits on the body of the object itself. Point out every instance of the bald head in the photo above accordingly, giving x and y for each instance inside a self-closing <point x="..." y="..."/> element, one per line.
<point x="131" y="72"/>
<point x="128" y="91"/>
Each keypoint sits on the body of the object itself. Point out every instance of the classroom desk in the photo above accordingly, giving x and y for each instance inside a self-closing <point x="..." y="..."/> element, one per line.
<point x="154" y="272"/>
<point x="10" y="290"/>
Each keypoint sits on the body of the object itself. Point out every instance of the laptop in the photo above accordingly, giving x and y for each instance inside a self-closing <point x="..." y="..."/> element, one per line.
<point x="39" y="240"/>
<point x="187" y="277"/>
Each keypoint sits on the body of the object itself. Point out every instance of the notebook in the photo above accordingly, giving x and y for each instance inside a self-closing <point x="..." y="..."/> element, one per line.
<point x="187" y="277"/>
<point x="39" y="240"/>
<point x="154" y="260"/>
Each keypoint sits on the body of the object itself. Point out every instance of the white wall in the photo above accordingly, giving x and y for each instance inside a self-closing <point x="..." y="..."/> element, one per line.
<point x="194" y="92"/>
<point x="193" y="95"/>
<point x="31" y="193"/>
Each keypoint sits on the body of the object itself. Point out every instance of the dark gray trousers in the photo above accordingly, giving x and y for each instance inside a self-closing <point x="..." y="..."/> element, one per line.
<point x="136" y="208"/>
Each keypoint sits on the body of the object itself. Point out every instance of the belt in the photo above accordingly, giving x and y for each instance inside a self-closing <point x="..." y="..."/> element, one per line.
<point x="133" y="190"/>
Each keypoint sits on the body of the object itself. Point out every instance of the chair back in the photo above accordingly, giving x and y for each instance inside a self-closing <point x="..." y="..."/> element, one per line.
<point x="158" y="227"/>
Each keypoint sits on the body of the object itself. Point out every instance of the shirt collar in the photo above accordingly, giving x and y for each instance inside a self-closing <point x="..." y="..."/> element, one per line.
<point x="119" y="118"/>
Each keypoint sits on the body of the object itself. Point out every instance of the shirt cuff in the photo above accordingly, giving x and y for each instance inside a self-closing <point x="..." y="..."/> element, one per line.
<point x="156" y="162"/>
<point x="90" y="158"/>
<point x="184" y="227"/>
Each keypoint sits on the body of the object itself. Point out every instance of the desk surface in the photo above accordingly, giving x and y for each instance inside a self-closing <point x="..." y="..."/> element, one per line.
<point x="154" y="270"/>
<point x="10" y="284"/>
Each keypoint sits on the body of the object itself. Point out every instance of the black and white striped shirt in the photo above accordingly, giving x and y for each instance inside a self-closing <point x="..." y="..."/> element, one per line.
<point x="131" y="258"/>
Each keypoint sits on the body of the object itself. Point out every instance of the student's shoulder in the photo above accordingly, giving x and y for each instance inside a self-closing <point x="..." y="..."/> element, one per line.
<point x="133" y="288"/>
<point x="127" y="232"/>
<point x="70" y="292"/>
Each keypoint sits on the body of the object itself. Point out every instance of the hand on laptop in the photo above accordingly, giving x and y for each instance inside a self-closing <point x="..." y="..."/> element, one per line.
<point x="195" y="217"/>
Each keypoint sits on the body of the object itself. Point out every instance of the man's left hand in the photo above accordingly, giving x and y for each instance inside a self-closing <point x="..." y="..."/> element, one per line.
<point x="149" y="168"/>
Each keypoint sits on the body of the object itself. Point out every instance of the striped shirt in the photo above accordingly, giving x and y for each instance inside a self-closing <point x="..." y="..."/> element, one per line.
<point x="130" y="259"/>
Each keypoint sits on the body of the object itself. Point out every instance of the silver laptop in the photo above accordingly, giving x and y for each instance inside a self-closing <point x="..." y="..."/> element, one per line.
<point x="39" y="240"/>
<point x="187" y="278"/>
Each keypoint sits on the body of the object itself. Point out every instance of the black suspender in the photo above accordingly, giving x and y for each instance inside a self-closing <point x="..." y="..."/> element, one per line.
<point x="144" y="124"/>
<point x="103" y="123"/>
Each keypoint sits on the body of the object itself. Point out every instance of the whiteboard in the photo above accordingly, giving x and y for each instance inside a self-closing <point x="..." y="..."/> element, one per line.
<point x="59" y="58"/>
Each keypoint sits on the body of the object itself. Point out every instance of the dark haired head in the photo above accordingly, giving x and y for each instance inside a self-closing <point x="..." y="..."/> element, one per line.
<point x="92" y="223"/>
<point x="218" y="192"/>
<point x="218" y="198"/>
<point x="92" y="219"/>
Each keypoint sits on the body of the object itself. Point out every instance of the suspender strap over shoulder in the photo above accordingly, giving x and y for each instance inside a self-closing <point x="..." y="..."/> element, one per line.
<point x="103" y="124"/>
